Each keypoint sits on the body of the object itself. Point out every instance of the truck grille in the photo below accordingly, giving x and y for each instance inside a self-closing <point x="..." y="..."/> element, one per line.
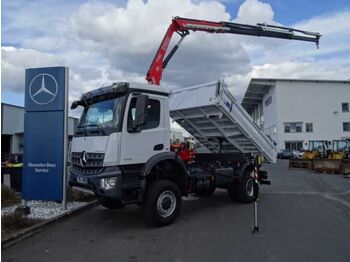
<point x="93" y="163"/>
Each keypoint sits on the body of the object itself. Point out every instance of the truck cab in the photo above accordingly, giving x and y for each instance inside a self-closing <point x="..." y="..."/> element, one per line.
<point x="122" y="136"/>
<point x="111" y="123"/>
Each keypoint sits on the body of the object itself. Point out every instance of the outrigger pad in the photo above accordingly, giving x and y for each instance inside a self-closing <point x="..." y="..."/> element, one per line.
<point x="255" y="230"/>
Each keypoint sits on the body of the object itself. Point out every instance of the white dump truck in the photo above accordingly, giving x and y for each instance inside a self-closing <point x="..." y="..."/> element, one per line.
<point x="121" y="149"/>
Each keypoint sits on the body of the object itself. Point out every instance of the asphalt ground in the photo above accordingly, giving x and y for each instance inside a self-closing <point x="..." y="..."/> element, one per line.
<point x="303" y="216"/>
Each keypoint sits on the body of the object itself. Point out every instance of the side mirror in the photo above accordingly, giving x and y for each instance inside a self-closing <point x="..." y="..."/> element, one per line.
<point x="75" y="104"/>
<point x="141" y="112"/>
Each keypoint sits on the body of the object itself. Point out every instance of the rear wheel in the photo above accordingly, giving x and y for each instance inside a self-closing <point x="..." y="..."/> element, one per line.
<point x="109" y="203"/>
<point x="163" y="202"/>
<point x="244" y="190"/>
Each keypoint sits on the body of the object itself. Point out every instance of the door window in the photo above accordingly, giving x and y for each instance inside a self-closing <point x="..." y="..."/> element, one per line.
<point x="153" y="113"/>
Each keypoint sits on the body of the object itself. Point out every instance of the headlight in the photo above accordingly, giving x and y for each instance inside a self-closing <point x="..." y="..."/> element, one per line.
<point x="108" y="183"/>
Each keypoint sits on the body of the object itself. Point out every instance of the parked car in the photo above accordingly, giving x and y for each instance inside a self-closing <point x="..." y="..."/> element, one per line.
<point x="285" y="154"/>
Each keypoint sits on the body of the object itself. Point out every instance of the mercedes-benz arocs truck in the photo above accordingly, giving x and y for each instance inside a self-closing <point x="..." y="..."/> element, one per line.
<point x="121" y="149"/>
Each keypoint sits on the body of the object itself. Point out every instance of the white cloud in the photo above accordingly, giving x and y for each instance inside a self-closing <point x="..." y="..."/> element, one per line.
<point x="334" y="41"/>
<point x="328" y="24"/>
<point x="254" y="11"/>
<point x="138" y="27"/>
<point x="325" y="69"/>
<point x="129" y="36"/>
<point x="303" y="70"/>
<point x="14" y="62"/>
<point x="81" y="79"/>
<point x="295" y="59"/>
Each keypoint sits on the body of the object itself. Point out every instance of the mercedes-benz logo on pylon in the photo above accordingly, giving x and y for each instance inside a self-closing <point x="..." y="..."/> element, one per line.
<point x="43" y="89"/>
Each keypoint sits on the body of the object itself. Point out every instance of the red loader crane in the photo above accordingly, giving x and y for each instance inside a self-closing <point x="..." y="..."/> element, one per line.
<point x="183" y="26"/>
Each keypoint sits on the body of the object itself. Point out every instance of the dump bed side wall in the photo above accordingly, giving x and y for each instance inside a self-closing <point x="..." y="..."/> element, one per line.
<point x="251" y="130"/>
<point x="211" y="114"/>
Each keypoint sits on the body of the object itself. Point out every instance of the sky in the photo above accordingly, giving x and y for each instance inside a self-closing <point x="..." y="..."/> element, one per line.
<point x="115" y="40"/>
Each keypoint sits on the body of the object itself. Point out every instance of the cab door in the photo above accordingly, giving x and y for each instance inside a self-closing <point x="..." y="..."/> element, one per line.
<point x="139" y="146"/>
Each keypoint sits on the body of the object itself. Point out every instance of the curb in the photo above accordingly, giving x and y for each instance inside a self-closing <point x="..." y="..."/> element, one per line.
<point x="27" y="232"/>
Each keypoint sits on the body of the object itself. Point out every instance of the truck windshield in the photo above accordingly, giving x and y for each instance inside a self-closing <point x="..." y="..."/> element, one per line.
<point x="101" y="114"/>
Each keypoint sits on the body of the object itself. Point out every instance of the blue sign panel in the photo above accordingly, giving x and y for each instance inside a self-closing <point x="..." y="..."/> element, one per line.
<point x="45" y="125"/>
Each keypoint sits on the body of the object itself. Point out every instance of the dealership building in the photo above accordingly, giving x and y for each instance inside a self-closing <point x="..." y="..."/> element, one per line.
<point x="293" y="111"/>
<point x="12" y="128"/>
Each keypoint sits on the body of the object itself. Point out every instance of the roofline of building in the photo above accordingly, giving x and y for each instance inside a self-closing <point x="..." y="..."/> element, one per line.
<point x="7" y="104"/>
<point x="22" y="107"/>
<point x="345" y="81"/>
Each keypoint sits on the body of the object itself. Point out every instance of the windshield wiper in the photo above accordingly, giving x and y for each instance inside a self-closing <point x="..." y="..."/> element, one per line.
<point x="100" y="128"/>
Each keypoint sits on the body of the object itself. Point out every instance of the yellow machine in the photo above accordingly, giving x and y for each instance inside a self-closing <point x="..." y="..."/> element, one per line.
<point x="12" y="160"/>
<point x="341" y="149"/>
<point x="317" y="149"/>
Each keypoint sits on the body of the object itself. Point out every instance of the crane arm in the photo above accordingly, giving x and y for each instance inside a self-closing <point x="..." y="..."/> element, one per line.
<point x="183" y="26"/>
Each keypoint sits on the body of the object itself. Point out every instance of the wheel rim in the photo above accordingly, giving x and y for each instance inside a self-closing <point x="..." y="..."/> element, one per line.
<point x="166" y="203"/>
<point x="250" y="187"/>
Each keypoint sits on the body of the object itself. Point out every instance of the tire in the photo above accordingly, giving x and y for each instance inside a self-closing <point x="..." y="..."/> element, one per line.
<point x="110" y="204"/>
<point x="245" y="190"/>
<point x="163" y="202"/>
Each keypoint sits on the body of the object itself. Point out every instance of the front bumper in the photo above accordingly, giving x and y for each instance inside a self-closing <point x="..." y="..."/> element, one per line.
<point x="92" y="182"/>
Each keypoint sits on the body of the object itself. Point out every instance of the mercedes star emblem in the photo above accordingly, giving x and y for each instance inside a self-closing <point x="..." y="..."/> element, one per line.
<point x="43" y="89"/>
<point x="83" y="159"/>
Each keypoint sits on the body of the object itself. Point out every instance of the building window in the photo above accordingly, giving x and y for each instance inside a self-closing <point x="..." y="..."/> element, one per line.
<point x="309" y="127"/>
<point x="268" y="101"/>
<point x="345" y="107"/>
<point x="286" y="128"/>
<point x="346" y="126"/>
<point x="294" y="145"/>
<point x="293" y="127"/>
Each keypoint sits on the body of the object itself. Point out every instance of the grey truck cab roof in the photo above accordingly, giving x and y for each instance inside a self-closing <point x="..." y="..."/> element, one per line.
<point x="119" y="89"/>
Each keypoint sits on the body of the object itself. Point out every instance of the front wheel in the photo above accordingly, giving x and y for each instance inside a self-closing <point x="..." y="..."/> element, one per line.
<point x="163" y="202"/>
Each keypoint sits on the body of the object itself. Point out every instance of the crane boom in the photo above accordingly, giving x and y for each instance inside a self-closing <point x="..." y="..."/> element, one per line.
<point x="183" y="26"/>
